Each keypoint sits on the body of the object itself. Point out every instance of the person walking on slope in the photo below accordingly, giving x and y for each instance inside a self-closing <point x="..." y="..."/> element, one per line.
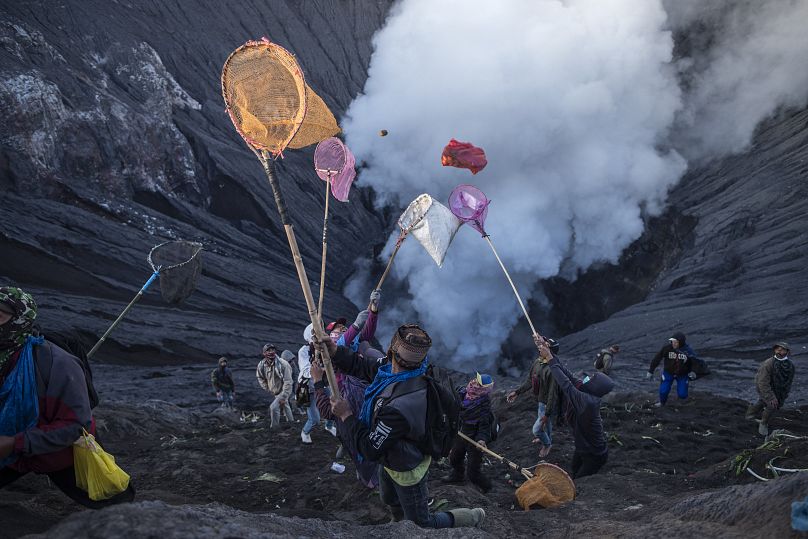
<point x="391" y="426"/>
<point x="581" y="407"/>
<point x="605" y="359"/>
<point x="773" y="382"/>
<point x="274" y="375"/>
<point x="39" y="424"/>
<point x="676" y="366"/>
<point x="223" y="384"/>
<point x="475" y="422"/>
<point x="544" y="388"/>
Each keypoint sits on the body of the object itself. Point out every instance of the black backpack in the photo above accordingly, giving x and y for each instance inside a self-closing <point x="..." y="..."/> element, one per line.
<point x="442" y="416"/>
<point x="494" y="426"/>
<point x="74" y="346"/>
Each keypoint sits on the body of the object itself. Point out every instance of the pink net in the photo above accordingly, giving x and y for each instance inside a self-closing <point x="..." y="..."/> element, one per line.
<point x="332" y="158"/>
<point x="470" y="205"/>
<point x="463" y="155"/>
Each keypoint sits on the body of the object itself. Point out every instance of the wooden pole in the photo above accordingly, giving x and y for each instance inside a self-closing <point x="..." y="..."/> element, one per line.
<point x="518" y="297"/>
<point x="123" y="314"/>
<point x="390" y="262"/>
<point x="500" y="458"/>
<point x="325" y="249"/>
<point x="266" y="160"/>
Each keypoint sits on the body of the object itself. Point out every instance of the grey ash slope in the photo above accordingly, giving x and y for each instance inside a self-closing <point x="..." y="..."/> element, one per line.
<point x="736" y="278"/>
<point x="114" y="139"/>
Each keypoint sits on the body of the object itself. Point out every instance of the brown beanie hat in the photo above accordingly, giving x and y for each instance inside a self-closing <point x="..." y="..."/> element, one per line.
<point x="410" y="345"/>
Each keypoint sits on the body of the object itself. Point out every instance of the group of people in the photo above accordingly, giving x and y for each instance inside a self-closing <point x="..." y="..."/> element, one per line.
<point x="380" y="410"/>
<point x="574" y="398"/>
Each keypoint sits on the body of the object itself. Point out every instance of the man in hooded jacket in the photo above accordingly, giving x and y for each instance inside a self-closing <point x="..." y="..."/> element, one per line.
<point x="391" y="426"/>
<point x="581" y="405"/>
<point x="773" y="383"/>
<point x="677" y="367"/>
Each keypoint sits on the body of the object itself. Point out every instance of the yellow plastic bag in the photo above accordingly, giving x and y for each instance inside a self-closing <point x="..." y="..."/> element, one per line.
<point x="96" y="471"/>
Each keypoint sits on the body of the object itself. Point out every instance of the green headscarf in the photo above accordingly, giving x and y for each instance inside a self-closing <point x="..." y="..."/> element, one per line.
<point x="14" y="332"/>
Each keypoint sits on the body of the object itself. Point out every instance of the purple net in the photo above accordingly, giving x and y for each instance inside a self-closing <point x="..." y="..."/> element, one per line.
<point x="329" y="157"/>
<point x="341" y="183"/>
<point x="333" y="159"/>
<point x="470" y="205"/>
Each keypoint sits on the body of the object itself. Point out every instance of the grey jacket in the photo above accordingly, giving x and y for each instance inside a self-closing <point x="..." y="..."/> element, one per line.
<point x="276" y="379"/>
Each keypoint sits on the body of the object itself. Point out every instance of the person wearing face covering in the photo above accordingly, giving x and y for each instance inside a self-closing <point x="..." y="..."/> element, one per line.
<point x="773" y="383"/>
<point x="274" y="376"/>
<point x="475" y="422"/>
<point x="581" y="402"/>
<point x="222" y="380"/>
<point x="44" y="403"/>
<point x="391" y="427"/>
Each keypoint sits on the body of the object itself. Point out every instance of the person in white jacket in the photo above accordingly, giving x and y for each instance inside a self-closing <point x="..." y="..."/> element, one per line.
<point x="304" y="379"/>
<point x="274" y="375"/>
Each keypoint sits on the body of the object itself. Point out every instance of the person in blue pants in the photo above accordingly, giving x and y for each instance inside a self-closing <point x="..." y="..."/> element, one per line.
<point x="677" y="366"/>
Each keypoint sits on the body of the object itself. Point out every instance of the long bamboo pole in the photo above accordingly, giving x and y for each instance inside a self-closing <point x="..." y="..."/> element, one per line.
<point x="325" y="249"/>
<point x="500" y="458"/>
<point x="513" y="286"/>
<point x="123" y="313"/>
<point x="266" y="160"/>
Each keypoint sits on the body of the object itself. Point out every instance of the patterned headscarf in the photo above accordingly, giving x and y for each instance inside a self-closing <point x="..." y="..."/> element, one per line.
<point x="14" y="332"/>
<point x="480" y="385"/>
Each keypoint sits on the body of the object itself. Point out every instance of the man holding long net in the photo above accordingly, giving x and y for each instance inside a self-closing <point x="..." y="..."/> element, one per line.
<point x="391" y="427"/>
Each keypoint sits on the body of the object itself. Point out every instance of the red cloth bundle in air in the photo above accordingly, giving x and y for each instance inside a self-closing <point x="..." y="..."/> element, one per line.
<point x="463" y="155"/>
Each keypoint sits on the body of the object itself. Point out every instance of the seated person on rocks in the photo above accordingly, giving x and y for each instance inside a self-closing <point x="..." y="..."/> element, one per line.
<point x="676" y="366"/>
<point x="223" y="384"/>
<point x="274" y="375"/>
<point x="545" y="390"/>
<point x="581" y="408"/>
<point x="773" y="383"/>
<point x="45" y="445"/>
<point x="391" y="427"/>
<point x="475" y="422"/>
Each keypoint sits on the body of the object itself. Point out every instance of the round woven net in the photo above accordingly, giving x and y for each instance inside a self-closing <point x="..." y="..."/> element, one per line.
<point x="470" y="205"/>
<point x="550" y="486"/>
<point x="179" y="264"/>
<point x="269" y="101"/>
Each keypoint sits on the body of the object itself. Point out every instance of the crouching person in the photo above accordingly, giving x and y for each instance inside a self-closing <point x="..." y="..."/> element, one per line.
<point x="581" y="404"/>
<point x="44" y="404"/>
<point x="391" y="427"/>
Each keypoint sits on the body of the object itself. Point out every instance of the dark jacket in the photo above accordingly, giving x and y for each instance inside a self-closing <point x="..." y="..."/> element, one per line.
<point x="222" y="380"/>
<point x="475" y="417"/>
<point x="366" y="470"/>
<point x="64" y="410"/>
<point x="398" y="424"/>
<point x="676" y="363"/>
<point x="770" y="386"/>
<point x="586" y="423"/>
<point x="543" y="386"/>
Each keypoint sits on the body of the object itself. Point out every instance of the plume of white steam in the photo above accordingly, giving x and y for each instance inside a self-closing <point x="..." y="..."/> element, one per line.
<point x="754" y="60"/>
<point x="571" y="101"/>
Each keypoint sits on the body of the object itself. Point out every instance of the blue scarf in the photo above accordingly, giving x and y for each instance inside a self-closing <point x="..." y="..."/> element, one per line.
<point x="385" y="377"/>
<point x="19" y="399"/>
<point x="354" y="343"/>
